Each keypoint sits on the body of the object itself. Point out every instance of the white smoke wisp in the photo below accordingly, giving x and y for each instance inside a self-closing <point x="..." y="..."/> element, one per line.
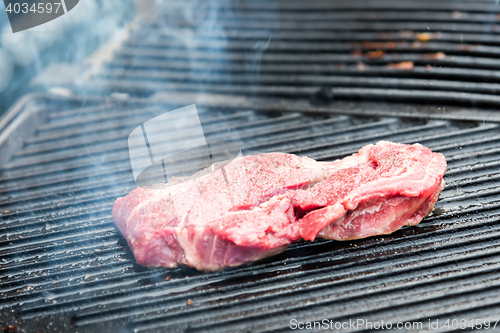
<point x="6" y="69"/>
<point x="100" y="19"/>
<point x="191" y="24"/>
<point x="254" y="59"/>
<point x="202" y="25"/>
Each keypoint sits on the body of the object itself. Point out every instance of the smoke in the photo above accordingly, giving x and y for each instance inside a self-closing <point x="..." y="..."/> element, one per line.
<point x="191" y="26"/>
<point x="197" y="31"/>
<point x="254" y="60"/>
<point x="70" y="38"/>
<point x="99" y="18"/>
<point x="194" y="30"/>
<point x="6" y="69"/>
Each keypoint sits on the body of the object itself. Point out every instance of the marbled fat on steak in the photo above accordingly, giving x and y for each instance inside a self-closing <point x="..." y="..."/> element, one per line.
<point x="256" y="206"/>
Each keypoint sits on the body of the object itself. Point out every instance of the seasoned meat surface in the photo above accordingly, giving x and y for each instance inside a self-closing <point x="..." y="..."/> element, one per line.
<point x="256" y="206"/>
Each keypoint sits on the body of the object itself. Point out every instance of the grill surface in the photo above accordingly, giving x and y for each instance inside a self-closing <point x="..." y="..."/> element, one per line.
<point x="66" y="268"/>
<point x="316" y="49"/>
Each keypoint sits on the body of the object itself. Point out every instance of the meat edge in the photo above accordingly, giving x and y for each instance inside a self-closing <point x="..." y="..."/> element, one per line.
<point x="358" y="218"/>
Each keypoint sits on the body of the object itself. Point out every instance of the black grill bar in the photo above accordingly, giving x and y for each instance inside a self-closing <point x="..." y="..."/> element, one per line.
<point x="277" y="25"/>
<point x="405" y="35"/>
<point x="420" y="71"/>
<point x="217" y="56"/>
<point x="148" y="88"/>
<point x="402" y="47"/>
<point x="347" y="15"/>
<point x="418" y="52"/>
<point x="322" y="5"/>
<point x="337" y="81"/>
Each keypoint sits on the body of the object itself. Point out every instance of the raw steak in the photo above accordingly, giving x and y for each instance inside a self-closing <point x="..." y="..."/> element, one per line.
<point x="256" y="206"/>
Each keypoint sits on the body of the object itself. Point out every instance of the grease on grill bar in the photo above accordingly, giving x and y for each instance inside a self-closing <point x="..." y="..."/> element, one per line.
<point x="65" y="266"/>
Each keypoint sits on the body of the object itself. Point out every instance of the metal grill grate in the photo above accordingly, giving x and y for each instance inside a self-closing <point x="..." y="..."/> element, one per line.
<point x="65" y="266"/>
<point x="341" y="50"/>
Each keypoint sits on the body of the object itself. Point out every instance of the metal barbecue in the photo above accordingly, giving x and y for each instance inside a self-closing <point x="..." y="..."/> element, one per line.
<point x="318" y="88"/>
